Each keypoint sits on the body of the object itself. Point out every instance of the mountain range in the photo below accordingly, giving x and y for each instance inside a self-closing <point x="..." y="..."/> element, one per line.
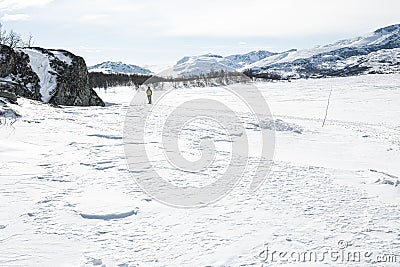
<point x="376" y="52"/>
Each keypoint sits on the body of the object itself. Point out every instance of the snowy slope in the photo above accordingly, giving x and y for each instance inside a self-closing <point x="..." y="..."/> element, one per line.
<point x="67" y="199"/>
<point x="361" y="55"/>
<point x="329" y="59"/>
<point x="382" y="61"/>
<point x="40" y="64"/>
<point x="197" y="65"/>
<point x="203" y="64"/>
<point x="118" y="68"/>
<point x="379" y="37"/>
<point x="251" y="57"/>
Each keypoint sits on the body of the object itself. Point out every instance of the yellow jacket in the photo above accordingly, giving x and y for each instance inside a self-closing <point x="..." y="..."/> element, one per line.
<point x="149" y="92"/>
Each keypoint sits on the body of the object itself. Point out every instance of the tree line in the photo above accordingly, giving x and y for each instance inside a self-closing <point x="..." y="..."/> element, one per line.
<point x="103" y="80"/>
<point x="266" y="75"/>
<point x="213" y="78"/>
<point x="14" y="39"/>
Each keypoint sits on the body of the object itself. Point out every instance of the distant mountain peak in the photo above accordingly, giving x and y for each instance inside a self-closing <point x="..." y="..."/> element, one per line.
<point x="388" y="29"/>
<point x="118" y="67"/>
<point x="212" y="55"/>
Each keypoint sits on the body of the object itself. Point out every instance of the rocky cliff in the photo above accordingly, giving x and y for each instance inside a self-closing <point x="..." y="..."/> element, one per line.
<point x="51" y="76"/>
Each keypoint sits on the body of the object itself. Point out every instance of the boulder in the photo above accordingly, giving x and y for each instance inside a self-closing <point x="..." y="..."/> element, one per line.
<point x="52" y="76"/>
<point x="12" y="98"/>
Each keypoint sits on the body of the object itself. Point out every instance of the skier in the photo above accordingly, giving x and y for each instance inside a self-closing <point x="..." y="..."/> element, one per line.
<point x="149" y="93"/>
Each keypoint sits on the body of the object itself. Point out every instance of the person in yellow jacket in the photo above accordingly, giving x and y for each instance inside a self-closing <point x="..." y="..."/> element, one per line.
<point x="149" y="93"/>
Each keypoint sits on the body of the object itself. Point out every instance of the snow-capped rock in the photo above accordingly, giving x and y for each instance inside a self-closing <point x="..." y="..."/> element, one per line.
<point x="51" y="76"/>
<point x="118" y="68"/>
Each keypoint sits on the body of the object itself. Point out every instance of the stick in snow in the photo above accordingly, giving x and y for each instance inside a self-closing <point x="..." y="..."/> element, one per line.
<point x="327" y="106"/>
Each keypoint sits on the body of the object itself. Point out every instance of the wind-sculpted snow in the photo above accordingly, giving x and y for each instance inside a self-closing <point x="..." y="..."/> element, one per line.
<point x="322" y="190"/>
<point x="210" y="142"/>
<point x="107" y="217"/>
<point x="276" y="125"/>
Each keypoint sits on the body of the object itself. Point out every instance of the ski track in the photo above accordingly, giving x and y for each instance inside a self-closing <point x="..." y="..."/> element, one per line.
<point x="74" y="153"/>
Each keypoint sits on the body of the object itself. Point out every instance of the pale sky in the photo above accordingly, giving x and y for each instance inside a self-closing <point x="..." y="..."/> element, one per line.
<point x="150" y="32"/>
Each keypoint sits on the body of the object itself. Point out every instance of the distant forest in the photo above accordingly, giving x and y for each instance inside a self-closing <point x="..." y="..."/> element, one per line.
<point x="102" y="80"/>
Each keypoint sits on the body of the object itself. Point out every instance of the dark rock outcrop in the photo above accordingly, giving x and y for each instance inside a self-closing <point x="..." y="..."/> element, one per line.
<point x="54" y="76"/>
<point x="16" y="75"/>
<point x="10" y="97"/>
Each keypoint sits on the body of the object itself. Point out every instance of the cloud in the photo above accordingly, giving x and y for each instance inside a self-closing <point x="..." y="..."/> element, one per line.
<point x="275" y="18"/>
<point x="15" y="17"/>
<point x="94" y="17"/>
<point x="22" y="4"/>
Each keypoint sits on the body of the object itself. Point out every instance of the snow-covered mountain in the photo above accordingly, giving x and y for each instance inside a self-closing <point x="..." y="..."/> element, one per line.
<point x="109" y="67"/>
<point x="249" y="58"/>
<point x="377" y="52"/>
<point x="196" y="65"/>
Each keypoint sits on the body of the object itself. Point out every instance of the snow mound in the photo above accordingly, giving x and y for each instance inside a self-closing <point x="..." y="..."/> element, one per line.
<point x="6" y="111"/>
<point x="281" y="126"/>
<point x="106" y="204"/>
<point x="386" y="178"/>
<point x="107" y="217"/>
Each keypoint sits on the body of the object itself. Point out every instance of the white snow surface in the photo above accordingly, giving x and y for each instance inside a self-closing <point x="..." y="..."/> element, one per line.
<point x="61" y="56"/>
<point x="40" y="64"/>
<point x="67" y="199"/>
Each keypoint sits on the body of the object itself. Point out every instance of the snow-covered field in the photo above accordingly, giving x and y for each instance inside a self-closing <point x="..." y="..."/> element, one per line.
<point x="67" y="198"/>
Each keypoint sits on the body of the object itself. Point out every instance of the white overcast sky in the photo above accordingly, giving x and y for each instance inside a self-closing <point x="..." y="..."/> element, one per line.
<point x="162" y="31"/>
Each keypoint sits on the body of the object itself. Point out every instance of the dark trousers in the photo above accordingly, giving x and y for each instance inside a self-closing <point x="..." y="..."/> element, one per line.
<point x="149" y="98"/>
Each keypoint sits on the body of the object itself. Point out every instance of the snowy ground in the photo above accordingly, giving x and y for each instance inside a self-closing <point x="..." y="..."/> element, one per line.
<point x="67" y="199"/>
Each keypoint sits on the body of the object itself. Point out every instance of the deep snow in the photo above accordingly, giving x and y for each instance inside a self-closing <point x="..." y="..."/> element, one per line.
<point x="67" y="199"/>
<point x="40" y="64"/>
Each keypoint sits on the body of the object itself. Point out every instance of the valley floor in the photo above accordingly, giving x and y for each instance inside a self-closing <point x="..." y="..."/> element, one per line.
<point x="67" y="198"/>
